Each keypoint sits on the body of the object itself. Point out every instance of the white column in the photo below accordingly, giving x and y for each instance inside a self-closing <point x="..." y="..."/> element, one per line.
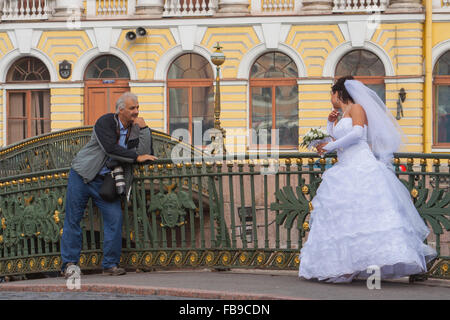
<point x="229" y="7"/>
<point x="65" y="8"/>
<point x="149" y="7"/>
<point x="317" y="6"/>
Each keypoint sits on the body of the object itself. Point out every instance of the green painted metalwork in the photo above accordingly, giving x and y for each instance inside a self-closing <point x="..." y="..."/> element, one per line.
<point x="211" y="213"/>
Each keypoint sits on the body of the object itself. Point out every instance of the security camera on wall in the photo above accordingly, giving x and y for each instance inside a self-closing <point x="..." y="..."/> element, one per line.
<point x="131" y="35"/>
<point x="141" y="31"/>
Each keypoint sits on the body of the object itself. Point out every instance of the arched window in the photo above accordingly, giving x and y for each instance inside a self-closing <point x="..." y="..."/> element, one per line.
<point x="28" y="108"/>
<point x="441" y="103"/>
<point x="274" y="100"/>
<point x="366" y="67"/>
<point x="106" y="79"/>
<point x="107" y="66"/>
<point x="190" y="96"/>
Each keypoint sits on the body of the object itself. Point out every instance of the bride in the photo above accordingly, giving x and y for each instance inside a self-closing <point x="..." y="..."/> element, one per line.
<point x="362" y="214"/>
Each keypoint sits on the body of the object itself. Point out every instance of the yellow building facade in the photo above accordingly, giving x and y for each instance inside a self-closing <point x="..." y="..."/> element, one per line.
<point x="315" y="36"/>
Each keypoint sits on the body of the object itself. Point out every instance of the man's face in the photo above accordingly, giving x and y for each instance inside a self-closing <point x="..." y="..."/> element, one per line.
<point x="130" y="112"/>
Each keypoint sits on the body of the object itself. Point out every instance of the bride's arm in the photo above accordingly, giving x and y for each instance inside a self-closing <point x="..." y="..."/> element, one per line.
<point x="358" y="118"/>
<point x="350" y="138"/>
<point x="332" y="117"/>
<point x="330" y="126"/>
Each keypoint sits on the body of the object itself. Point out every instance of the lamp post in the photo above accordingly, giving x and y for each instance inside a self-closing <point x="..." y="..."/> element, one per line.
<point x="217" y="145"/>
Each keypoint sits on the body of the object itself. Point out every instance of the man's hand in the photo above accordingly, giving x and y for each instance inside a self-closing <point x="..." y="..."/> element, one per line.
<point x="140" y="121"/>
<point x="145" y="157"/>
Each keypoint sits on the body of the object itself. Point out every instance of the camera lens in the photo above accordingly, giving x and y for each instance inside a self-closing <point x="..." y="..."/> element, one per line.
<point x="120" y="180"/>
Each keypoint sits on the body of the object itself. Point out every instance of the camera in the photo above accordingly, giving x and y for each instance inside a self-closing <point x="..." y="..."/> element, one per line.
<point x="117" y="174"/>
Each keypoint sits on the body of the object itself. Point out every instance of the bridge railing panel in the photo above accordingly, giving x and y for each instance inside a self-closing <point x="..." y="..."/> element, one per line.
<point x="240" y="212"/>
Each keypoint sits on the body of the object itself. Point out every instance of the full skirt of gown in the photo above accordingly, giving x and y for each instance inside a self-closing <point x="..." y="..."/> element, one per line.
<point x="363" y="216"/>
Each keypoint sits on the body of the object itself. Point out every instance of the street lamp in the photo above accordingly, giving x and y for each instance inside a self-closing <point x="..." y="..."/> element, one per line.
<point x="218" y="139"/>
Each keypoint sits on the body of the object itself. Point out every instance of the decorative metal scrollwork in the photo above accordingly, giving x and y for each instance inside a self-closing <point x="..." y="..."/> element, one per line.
<point x="291" y="206"/>
<point x="172" y="206"/>
<point x="32" y="215"/>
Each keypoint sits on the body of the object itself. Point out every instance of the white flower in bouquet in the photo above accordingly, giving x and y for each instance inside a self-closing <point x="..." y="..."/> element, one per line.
<point x="315" y="137"/>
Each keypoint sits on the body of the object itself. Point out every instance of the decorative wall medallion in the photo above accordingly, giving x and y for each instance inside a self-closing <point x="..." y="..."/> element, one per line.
<point x="65" y="69"/>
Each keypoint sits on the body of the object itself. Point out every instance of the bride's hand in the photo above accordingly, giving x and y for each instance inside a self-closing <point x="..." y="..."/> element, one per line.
<point x="320" y="149"/>
<point x="333" y="115"/>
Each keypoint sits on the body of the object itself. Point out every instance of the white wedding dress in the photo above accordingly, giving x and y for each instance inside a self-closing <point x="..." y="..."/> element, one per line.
<point x="362" y="216"/>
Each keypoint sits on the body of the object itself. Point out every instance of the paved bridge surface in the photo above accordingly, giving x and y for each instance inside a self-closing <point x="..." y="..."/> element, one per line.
<point x="206" y="284"/>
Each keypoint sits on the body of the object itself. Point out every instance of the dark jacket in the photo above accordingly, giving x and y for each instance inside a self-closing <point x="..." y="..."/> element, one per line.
<point x="104" y="144"/>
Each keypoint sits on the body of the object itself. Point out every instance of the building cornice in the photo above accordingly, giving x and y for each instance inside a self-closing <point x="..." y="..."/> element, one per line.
<point x="220" y="21"/>
<point x="441" y="17"/>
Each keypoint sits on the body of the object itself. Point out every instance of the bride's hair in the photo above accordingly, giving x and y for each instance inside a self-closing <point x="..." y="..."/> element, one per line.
<point x="339" y="87"/>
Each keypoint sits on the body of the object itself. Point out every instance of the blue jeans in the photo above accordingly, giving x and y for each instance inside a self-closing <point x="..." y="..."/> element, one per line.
<point x="77" y="196"/>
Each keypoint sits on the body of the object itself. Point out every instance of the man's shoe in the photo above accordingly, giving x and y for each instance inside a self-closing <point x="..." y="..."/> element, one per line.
<point x="114" y="271"/>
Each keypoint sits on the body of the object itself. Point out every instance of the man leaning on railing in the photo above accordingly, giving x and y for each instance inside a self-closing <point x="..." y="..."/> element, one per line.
<point x="120" y="137"/>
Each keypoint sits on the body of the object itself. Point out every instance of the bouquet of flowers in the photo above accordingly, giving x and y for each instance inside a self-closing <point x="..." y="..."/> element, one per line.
<point x="314" y="137"/>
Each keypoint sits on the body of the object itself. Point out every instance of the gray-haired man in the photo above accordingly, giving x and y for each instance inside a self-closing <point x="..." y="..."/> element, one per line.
<point x="125" y="138"/>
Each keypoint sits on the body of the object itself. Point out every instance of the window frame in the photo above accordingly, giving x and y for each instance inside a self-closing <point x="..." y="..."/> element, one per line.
<point x="380" y="79"/>
<point x="183" y="84"/>
<point x="13" y="67"/>
<point x="269" y="83"/>
<point x="94" y="62"/>
<point x="27" y="87"/>
<point x="28" y="118"/>
<point x="189" y="84"/>
<point x="437" y="81"/>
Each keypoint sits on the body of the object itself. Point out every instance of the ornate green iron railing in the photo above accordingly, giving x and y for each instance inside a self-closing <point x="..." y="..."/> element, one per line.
<point x="221" y="214"/>
<point x="56" y="150"/>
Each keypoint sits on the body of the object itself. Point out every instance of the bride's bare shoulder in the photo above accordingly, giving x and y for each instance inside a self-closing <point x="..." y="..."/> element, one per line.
<point x="357" y="106"/>
<point x="357" y="113"/>
<point x="357" y="109"/>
